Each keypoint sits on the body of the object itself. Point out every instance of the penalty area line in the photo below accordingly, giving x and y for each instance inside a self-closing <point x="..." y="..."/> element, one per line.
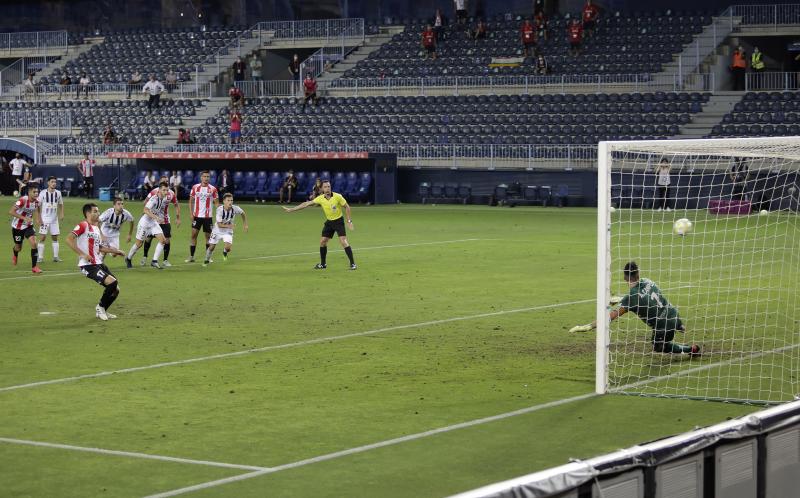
<point x="292" y="344"/>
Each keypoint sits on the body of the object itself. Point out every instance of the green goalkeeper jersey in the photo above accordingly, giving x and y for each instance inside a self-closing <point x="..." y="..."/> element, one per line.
<point x="646" y="300"/>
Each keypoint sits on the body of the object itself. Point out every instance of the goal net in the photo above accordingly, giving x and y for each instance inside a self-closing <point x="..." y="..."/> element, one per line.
<point x="731" y="277"/>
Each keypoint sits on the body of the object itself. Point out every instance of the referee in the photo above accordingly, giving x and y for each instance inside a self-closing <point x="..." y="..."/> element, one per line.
<point x="332" y="203"/>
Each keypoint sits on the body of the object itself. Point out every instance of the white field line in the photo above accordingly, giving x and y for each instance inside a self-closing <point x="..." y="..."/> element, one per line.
<point x="275" y="256"/>
<point x="368" y="447"/>
<point x="130" y="454"/>
<point x="291" y="345"/>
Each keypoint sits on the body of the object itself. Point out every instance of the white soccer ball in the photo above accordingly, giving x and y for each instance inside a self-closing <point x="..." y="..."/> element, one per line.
<point x="612" y="209"/>
<point x="763" y="212"/>
<point x="16" y="193"/>
<point x="682" y="226"/>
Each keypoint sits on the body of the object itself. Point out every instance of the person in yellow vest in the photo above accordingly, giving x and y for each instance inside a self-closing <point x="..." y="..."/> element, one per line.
<point x="738" y="67"/>
<point x="757" y="65"/>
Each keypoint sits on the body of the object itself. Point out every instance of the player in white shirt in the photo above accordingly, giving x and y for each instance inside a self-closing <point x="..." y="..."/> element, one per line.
<point x="166" y="227"/>
<point x="201" y="198"/>
<point x="223" y="228"/>
<point x="18" y="167"/>
<point x="150" y="225"/>
<point x="25" y="212"/>
<point x="111" y="222"/>
<point x="87" y="242"/>
<point x="51" y="212"/>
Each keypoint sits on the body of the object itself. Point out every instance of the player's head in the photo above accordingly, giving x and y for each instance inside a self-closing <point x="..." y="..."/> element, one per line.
<point x="119" y="204"/>
<point x="91" y="212"/>
<point x="163" y="189"/>
<point x="326" y="186"/>
<point x="227" y="200"/>
<point x="631" y="272"/>
<point x="33" y="190"/>
<point x="18" y="155"/>
<point x="164" y="178"/>
<point x="86" y="155"/>
<point x="664" y="160"/>
<point x="51" y="182"/>
<point x="205" y="176"/>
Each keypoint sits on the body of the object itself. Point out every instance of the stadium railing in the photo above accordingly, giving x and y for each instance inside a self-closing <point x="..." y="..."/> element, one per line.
<point x="328" y="29"/>
<point x="15" y="73"/>
<point x="690" y="60"/>
<point x="183" y="89"/>
<point x="772" y="81"/>
<point x="528" y="83"/>
<point x="746" y="457"/>
<point x="58" y="122"/>
<point x="774" y="16"/>
<point x="35" y="42"/>
<point x="335" y="49"/>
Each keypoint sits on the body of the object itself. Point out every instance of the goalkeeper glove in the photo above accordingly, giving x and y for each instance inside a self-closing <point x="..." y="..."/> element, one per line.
<point x="615" y="300"/>
<point x="582" y="328"/>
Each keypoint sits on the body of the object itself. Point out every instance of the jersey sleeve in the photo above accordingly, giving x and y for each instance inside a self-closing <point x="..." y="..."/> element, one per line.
<point x="238" y="210"/>
<point x="317" y="200"/>
<point x="151" y="203"/>
<point x="216" y="193"/>
<point x="220" y="210"/>
<point x="128" y="215"/>
<point x="60" y="197"/>
<point x="40" y="198"/>
<point x="342" y="200"/>
<point x="106" y="214"/>
<point x="79" y="229"/>
<point x="20" y="202"/>
<point x="174" y="200"/>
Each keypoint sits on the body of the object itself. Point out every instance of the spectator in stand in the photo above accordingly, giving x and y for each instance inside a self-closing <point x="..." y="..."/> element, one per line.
<point x="316" y="190"/>
<point x="310" y="90"/>
<point x="663" y="180"/>
<point x="109" y="137"/>
<point x="538" y="6"/>
<point x="541" y="65"/>
<point x="29" y="86"/>
<point x="86" y="169"/>
<point x="429" y="41"/>
<point x="575" y="37"/>
<point x="438" y="22"/>
<point x="83" y="86"/>
<point x="289" y="185"/>
<point x="184" y="137"/>
<point x="589" y="14"/>
<point x="225" y="183"/>
<point x="134" y="82"/>
<point x="527" y="35"/>
<point x="153" y="88"/>
<point x="460" y="6"/>
<point x="541" y="24"/>
<point x="294" y="70"/>
<point x="66" y="82"/>
<point x="149" y="182"/>
<point x="236" y="96"/>
<point x="175" y="183"/>
<point x="236" y="127"/>
<point x="239" y="68"/>
<point x="480" y="31"/>
<point x="739" y="68"/>
<point x="255" y="68"/>
<point x="171" y="80"/>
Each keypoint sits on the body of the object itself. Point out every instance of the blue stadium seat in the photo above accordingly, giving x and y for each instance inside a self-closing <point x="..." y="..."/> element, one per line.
<point x="238" y="183"/>
<point x="250" y="184"/>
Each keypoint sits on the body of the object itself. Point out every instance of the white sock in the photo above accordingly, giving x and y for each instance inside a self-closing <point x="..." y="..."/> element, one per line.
<point x="133" y="250"/>
<point x="40" y="246"/>
<point x="159" y="250"/>
<point x="55" y="249"/>
<point x="208" y="254"/>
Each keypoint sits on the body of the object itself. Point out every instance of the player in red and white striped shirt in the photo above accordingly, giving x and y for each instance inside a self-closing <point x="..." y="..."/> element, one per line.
<point x="166" y="227"/>
<point x="203" y="203"/>
<point x="86" y="169"/>
<point x="87" y="241"/>
<point x="24" y="212"/>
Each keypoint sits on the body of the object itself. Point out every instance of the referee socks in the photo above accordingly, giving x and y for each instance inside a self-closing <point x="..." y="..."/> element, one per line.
<point x="323" y="254"/>
<point x="349" y="251"/>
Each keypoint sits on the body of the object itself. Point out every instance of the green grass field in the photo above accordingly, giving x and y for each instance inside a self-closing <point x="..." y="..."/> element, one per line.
<point x="333" y="383"/>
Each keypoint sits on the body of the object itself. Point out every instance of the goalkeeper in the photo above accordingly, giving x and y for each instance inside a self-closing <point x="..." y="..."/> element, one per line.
<point x="645" y="299"/>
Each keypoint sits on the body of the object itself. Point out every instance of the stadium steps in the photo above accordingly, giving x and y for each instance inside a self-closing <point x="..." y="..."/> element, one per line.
<point x="225" y="62"/>
<point x="210" y="108"/>
<point x="719" y="29"/>
<point x="371" y="44"/>
<point x="718" y="105"/>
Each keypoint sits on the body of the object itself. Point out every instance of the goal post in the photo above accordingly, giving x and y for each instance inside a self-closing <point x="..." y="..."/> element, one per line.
<point x="728" y="281"/>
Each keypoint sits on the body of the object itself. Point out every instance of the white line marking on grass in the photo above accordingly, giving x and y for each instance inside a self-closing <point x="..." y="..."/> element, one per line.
<point x="131" y="454"/>
<point x="373" y="446"/>
<point x="292" y="344"/>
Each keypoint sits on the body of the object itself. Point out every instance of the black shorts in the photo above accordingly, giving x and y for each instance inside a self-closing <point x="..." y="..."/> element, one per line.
<point x="333" y="226"/>
<point x="167" y="229"/>
<point x="20" y="235"/>
<point x="204" y="223"/>
<point x="98" y="273"/>
<point x="431" y="49"/>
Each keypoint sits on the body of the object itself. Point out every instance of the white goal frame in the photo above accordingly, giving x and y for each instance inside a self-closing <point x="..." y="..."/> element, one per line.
<point x="776" y="147"/>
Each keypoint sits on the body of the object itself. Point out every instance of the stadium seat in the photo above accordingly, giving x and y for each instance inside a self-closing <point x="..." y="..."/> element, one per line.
<point x="250" y="184"/>
<point x="238" y="183"/>
<point x="424" y="191"/>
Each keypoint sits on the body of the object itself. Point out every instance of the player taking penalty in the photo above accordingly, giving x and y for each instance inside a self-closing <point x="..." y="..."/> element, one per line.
<point x="87" y="242"/>
<point x="223" y="228"/>
<point x="332" y="203"/>
<point x="646" y="300"/>
<point x="24" y="212"/>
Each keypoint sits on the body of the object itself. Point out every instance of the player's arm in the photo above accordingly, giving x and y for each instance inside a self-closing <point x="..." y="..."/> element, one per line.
<point x="347" y="213"/>
<point x="299" y="206"/>
<point x="60" y="209"/>
<point x="612" y="315"/>
<point x="73" y="244"/>
<point x="191" y="201"/>
<point x="106" y="249"/>
<point x="130" y="230"/>
<point x="13" y="212"/>
<point x="151" y="214"/>
<point x="177" y="210"/>
<point x="244" y="220"/>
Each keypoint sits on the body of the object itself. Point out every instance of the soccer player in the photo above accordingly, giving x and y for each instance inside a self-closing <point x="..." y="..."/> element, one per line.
<point x="25" y="212"/>
<point x="150" y="225"/>
<point x="200" y="199"/>
<point x="646" y="300"/>
<point x="51" y="211"/>
<point x="166" y="227"/>
<point x="112" y="220"/>
<point x="332" y="203"/>
<point x="87" y="241"/>
<point x="223" y="228"/>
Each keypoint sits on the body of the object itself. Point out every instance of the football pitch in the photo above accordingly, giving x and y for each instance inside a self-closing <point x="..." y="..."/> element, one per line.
<point x="442" y="364"/>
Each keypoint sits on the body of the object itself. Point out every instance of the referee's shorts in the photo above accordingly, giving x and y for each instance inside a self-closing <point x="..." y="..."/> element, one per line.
<point x="334" y="226"/>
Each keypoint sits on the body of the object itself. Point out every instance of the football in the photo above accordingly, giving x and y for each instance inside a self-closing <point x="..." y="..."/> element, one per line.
<point x="16" y="193"/>
<point x="682" y="226"/>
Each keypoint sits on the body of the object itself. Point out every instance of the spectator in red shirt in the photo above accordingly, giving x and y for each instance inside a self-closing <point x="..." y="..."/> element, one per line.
<point x="310" y="89"/>
<point x="589" y="15"/>
<point x="527" y="35"/>
<point x="575" y="36"/>
<point x="236" y="127"/>
<point x="237" y="97"/>
<point x="429" y="41"/>
<point x="541" y="25"/>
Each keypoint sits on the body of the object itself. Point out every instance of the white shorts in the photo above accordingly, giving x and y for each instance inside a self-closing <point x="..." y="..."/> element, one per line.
<point x="51" y="228"/>
<point x="147" y="228"/>
<point x="216" y="237"/>
<point x="113" y="241"/>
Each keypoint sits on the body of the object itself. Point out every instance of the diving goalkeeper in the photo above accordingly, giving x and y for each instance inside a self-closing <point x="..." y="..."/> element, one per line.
<point x="646" y="300"/>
